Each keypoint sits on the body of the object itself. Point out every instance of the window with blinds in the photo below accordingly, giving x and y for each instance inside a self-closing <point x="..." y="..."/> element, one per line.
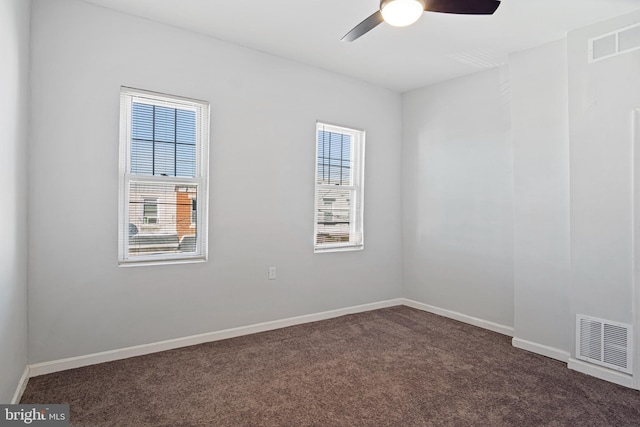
<point x="339" y="188"/>
<point x="163" y="178"/>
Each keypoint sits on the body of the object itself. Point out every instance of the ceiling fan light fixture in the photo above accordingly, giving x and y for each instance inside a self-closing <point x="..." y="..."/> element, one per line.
<point x="401" y="13"/>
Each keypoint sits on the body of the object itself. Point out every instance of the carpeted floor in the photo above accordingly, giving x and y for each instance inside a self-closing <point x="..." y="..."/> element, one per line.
<point x="391" y="367"/>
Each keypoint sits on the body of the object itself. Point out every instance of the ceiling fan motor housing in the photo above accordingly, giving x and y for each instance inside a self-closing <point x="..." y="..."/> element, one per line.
<point x="401" y="13"/>
<point x="383" y="3"/>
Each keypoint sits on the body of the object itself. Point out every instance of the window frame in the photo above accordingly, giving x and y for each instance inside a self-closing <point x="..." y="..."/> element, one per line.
<point x="129" y="96"/>
<point x="356" y="214"/>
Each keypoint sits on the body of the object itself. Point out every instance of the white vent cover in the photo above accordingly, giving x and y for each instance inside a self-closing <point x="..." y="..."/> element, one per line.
<point x="614" y="43"/>
<point x="604" y="343"/>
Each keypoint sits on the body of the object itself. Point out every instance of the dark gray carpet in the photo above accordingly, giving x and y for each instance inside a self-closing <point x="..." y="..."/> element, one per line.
<point x="390" y="367"/>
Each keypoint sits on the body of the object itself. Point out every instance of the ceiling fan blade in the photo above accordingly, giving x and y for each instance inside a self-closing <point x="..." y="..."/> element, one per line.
<point x="465" y="7"/>
<point x="364" y="27"/>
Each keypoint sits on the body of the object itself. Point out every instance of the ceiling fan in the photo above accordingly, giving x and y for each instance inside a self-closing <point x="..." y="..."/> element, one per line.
<point x="401" y="13"/>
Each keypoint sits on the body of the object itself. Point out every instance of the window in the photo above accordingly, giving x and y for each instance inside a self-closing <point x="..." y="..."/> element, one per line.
<point x="194" y="212"/>
<point x="339" y="189"/>
<point x="150" y="211"/>
<point x="163" y="178"/>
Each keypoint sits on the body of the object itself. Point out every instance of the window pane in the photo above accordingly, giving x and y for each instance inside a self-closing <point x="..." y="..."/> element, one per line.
<point x="142" y="122"/>
<point x="164" y="159"/>
<point x="334" y="158"/>
<point x="165" y="124"/>
<point x="334" y="216"/>
<point x="186" y="127"/>
<point x="185" y="163"/>
<point x="163" y="141"/>
<point x="161" y="218"/>
<point x="141" y="157"/>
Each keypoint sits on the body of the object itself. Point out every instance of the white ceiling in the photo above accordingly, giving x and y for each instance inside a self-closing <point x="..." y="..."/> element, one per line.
<point x="438" y="47"/>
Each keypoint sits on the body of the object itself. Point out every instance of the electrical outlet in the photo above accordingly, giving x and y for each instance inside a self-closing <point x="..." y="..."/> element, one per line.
<point x="273" y="273"/>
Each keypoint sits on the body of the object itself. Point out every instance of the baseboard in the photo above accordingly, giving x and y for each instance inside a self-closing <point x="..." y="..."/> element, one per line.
<point x="140" y="350"/>
<point x="552" y="352"/>
<point x="602" y="373"/>
<point x="495" y="327"/>
<point x="22" y="385"/>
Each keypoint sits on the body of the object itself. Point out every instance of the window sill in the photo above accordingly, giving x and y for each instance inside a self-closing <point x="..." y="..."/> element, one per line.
<point x="149" y="262"/>
<point x="338" y="248"/>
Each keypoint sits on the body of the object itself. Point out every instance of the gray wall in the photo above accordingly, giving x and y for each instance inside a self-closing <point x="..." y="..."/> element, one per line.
<point x="261" y="190"/>
<point x="563" y="186"/>
<point x="14" y="87"/>
<point x="539" y="117"/>
<point x="458" y="196"/>
<point x="491" y="227"/>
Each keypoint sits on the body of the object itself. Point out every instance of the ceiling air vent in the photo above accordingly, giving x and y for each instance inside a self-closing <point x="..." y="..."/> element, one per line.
<point x="604" y="343"/>
<point x="614" y="43"/>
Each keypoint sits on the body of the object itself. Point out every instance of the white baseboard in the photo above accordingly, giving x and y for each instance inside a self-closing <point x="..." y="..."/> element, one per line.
<point x="140" y="350"/>
<point x="554" y="353"/>
<point x="602" y="373"/>
<point x="495" y="327"/>
<point x="22" y="384"/>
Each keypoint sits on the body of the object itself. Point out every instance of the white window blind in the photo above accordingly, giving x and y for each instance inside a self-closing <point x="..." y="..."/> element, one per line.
<point x="163" y="178"/>
<point x="339" y="191"/>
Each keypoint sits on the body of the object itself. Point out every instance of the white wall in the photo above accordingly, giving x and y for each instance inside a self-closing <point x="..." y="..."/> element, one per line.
<point x="261" y="193"/>
<point x="539" y="117"/>
<point x="14" y="87"/>
<point x="458" y="196"/>
<point x="602" y="96"/>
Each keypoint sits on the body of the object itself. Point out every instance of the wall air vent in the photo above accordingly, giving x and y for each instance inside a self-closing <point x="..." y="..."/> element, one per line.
<point x="617" y="42"/>
<point x="604" y="343"/>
